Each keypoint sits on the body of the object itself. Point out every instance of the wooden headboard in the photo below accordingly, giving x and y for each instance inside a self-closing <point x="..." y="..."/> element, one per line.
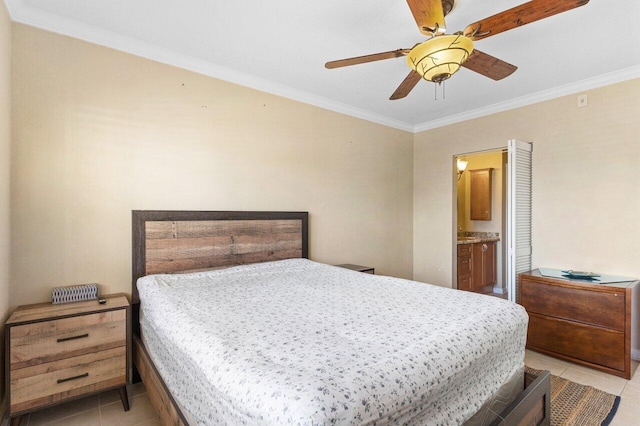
<point x="166" y="241"/>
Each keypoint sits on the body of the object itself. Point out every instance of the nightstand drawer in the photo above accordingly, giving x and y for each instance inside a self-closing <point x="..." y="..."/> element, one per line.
<point x="47" y="341"/>
<point x="49" y="382"/>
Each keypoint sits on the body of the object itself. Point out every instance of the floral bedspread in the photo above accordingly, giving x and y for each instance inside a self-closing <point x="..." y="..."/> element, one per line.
<point x="303" y="343"/>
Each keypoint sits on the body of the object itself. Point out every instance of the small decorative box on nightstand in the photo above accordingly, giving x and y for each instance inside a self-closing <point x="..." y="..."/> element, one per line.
<point x="359" y="268"/>
<point x="57" y="353"/>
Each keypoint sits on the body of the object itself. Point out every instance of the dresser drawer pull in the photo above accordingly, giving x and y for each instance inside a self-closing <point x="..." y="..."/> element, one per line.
<point x="64" y="339"/>
<point x="73" y="378"/>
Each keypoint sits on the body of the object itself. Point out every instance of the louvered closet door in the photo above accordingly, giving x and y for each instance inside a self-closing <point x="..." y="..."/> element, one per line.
<point x="518" y="214"/>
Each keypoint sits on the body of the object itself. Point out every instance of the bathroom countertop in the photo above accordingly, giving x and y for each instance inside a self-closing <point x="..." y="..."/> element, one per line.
<point x="474" y="240"/>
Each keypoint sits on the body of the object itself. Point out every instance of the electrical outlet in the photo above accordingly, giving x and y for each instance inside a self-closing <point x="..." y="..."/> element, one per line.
<point x="582" y="100"/>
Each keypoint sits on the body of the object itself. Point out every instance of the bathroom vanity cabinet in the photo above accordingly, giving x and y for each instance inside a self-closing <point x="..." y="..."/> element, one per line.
<point x="476" y="264"/>
<point x="484" y="265"/>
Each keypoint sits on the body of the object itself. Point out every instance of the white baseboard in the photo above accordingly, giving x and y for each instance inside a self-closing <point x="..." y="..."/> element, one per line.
<point x="499" y="290"/>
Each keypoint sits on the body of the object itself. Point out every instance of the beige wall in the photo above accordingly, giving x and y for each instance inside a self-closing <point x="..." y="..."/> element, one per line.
<point x="5" y="146"/>
<point x="586" y="196"/>
<point x="99" y="133"/>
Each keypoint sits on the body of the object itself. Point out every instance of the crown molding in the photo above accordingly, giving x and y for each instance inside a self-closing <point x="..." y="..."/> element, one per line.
<point x="12" y="7"/>
<point x="27" y="15"/>
<point x="49" y="22"/>
<point x="556" y="92"/>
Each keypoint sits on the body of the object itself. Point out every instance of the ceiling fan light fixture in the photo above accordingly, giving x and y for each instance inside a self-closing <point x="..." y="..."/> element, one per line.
<point x="440" y="57"/>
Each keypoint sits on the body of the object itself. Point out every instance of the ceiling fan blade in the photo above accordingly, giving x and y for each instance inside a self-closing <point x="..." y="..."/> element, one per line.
<point x="489" y="66"/>
<point x="367" y="58"/>
<point x="519" y="16"/>
<point x="429" y="15"/>
<point x="406" y="86"/>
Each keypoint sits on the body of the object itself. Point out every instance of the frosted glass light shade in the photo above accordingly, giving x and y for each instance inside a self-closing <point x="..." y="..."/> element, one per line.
<point x="440" y="57"/>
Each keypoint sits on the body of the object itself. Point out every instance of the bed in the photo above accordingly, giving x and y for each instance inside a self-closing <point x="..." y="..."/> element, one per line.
<point x="284" y="340"/>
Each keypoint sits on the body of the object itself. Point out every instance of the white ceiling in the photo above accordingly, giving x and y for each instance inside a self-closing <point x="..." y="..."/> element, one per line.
<point x="281" y="46"/>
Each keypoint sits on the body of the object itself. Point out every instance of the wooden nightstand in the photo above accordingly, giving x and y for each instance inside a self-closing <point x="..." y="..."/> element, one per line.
<point x="57" y="353"/>
<point x="359" y="268"/>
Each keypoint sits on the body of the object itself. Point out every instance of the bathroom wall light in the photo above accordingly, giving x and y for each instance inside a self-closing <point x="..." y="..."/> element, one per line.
<point x="462" y="165"/>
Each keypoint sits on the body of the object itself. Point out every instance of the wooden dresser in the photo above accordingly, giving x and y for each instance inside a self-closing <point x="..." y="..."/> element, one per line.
<point x="586" y="323"/>
<point x="56" y="353"/>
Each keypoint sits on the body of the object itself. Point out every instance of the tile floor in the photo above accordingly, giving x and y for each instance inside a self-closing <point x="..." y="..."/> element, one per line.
<point x="106" y="409"/>
<point x="99" y="410"/>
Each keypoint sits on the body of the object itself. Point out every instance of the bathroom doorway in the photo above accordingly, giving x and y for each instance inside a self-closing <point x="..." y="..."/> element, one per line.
<point x="480" y="220"/>
<point x="492" y="219"/>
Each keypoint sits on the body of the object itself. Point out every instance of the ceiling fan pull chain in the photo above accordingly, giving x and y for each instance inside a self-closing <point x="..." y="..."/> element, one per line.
<point x="435" y="90"/>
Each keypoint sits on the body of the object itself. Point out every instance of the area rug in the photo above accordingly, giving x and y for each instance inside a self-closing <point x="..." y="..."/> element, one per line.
<point x="579" y="405"/>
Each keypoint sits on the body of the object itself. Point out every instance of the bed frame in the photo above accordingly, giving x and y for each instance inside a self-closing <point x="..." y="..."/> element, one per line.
<point x="179" y="241"/>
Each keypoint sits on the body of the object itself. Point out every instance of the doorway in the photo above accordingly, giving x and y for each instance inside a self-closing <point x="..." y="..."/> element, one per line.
<point x="480" y="221"/>
<point x="489" y="185"/>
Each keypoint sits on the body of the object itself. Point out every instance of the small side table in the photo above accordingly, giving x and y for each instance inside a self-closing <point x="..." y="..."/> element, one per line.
<point x="358" y="268"/>
<point x="57" y="353"/>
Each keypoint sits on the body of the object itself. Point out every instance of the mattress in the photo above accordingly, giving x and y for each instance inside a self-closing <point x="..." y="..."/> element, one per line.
<point x="299" y="342"/>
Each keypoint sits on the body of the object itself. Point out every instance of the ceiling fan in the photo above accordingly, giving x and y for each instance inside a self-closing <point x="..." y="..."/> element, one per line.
<point x="442" y="55"/>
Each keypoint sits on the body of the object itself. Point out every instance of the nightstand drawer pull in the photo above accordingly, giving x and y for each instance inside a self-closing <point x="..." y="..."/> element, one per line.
<point x="64" y="339"/>
<point x="73" y="378"/>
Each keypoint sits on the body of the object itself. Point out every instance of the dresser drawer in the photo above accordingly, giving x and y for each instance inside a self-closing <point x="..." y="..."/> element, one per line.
<point x="50" y="382"/>
<point x="47" y="341"/>
<point x="578" y="341"/>
<point x="601" y="308"/>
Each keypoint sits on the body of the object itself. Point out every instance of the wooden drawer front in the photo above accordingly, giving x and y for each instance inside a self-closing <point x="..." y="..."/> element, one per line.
<point x="464" y="282"/>
<point x="591" y="307"/>
<point x="47" y="341"/>
<point x="54" y="381"/>
<point x="592" y="344"/>
<point x="464" y="266"/>
<point x="464" y="250"/>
